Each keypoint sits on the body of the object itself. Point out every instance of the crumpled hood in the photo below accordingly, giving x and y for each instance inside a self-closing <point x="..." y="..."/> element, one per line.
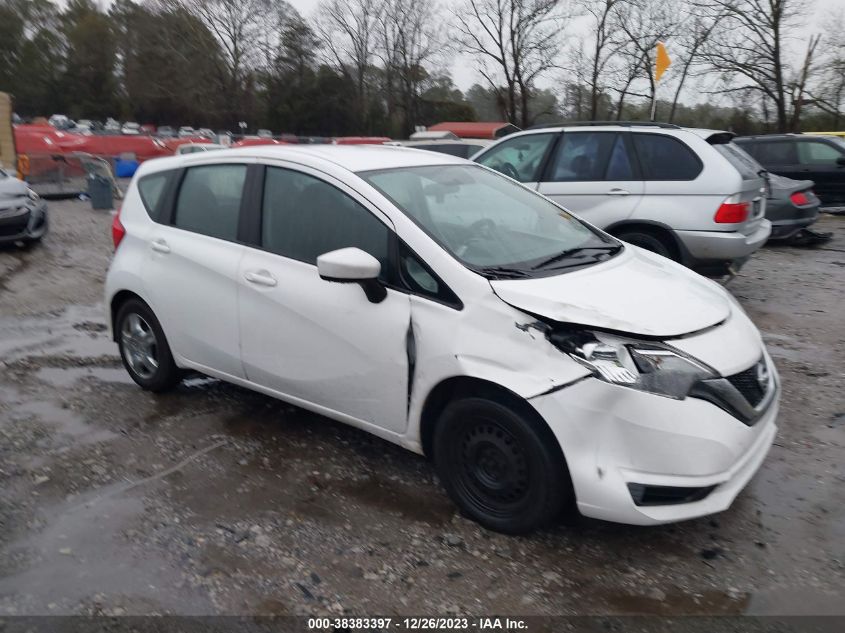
<point x="636" y="292"/>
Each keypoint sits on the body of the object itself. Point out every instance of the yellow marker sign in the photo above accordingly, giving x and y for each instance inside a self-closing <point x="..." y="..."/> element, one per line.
<point x="662" y="62"/>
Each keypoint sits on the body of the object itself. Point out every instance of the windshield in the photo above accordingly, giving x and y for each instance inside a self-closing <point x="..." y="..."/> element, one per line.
<point x="490" y="223"/>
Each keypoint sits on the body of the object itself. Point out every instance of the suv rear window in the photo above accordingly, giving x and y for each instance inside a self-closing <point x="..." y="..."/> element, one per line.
<point x="739" y="158"/>
<point x="666" y="158"/>
<point x="151" y="189"/>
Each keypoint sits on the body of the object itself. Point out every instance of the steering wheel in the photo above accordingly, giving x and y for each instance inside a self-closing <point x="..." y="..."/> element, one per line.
<point x="485" y="227"/>
<point x="481" y="233"/>
<point x="509" y="170"/>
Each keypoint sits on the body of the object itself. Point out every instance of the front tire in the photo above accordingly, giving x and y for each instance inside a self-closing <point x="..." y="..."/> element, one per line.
<point x="501" y="466"/>
<point x="144" y="349"/>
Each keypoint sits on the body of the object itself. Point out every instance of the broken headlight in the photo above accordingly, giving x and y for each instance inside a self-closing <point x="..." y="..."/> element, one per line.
<point x="646" y="366"/>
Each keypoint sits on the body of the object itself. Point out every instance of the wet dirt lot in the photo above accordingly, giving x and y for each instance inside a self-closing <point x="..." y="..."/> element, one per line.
<point x="213" y="499"/>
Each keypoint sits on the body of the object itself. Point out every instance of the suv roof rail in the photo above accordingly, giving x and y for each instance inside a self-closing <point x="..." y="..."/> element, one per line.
<point x="670" y="126"/>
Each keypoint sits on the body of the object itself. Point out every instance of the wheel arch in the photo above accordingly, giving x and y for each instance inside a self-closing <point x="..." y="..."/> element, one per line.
<point x="117" y="300"/>
<point x="455" y="387"/>
<point x="653" y="227"/>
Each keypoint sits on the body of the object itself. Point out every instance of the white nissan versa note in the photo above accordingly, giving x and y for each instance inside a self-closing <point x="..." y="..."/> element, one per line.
<point x="444" y="307"/>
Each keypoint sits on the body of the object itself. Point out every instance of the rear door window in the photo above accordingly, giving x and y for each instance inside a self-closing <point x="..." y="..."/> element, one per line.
<point x="520" y="157"/>
<point x="666" y="158"/>
<point x="776" y="152"/>
<point x="591" y="156"/>
<point x="209" y="200"/>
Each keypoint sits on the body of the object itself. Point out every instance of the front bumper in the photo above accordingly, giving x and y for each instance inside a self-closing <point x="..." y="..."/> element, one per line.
<point x="614" y="436"/>
<point x="23" y="223"/>
<point x="707" y="249"/>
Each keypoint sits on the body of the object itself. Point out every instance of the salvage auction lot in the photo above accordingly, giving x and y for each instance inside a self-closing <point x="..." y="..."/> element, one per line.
<point x="213" y="499"/>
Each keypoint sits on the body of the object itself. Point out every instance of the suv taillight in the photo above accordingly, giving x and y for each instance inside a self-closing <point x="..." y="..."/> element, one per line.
<point x="732" y="212"/>
<point x="799" y="199"/>
<point x="117" y="229"/>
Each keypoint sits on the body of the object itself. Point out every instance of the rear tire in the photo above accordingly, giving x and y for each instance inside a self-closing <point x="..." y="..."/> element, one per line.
<point x="144" y="349"/>
<point x="502" y="467"/>
<point x="651" y="241"/>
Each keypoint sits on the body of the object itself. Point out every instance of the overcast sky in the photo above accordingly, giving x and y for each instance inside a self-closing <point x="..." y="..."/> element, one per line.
<point x="463" y="68"/>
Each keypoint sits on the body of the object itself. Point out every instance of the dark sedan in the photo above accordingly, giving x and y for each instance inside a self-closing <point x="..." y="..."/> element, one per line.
<point x="820" y="158"/>
<point x="791" y="206"/>
<point x="23" y="215"/>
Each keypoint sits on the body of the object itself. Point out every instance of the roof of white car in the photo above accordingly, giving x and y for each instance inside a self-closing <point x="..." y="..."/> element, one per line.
<point x="354" y="158"/>
<point x="644" y="127"/>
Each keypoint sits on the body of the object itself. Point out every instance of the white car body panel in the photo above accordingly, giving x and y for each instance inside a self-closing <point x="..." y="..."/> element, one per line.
<point x="295" y="340"/>
<point x="323" y="346"/>
<point x="635" y="292"/>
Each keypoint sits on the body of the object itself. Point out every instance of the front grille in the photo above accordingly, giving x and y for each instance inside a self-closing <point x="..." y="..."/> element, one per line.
<point x="749" y="385"/>
<point x="644" y="495"/>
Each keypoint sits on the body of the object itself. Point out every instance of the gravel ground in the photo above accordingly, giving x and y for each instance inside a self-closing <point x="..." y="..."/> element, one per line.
<point x="216" y="500"/>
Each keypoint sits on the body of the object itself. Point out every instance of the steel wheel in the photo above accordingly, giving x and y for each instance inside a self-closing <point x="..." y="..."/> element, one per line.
<point x="495" y="473"/>
<point x="140" y="346"/>
<point x="501" y="464"/>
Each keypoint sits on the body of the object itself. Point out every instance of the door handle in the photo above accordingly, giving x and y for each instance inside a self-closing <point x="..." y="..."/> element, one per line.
<point x="160" y="246"/>
<point x="618" y="192"/>
<point x="260" y="278"/>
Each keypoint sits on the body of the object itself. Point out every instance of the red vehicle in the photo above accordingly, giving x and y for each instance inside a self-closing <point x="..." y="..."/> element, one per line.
<point x="44" y="139"/>
<point x="144" y="147"/>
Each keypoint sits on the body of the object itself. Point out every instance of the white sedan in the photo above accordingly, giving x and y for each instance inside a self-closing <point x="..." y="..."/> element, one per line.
<point x="539" y="362"/>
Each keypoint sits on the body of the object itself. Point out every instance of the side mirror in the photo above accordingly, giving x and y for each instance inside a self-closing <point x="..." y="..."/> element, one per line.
<point x="841" y="161"/>
<point x="353" y="266"/>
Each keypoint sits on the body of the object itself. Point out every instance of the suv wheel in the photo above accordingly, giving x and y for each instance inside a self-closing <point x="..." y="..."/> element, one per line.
<point x="499" y="466"/>
<point x="143" y="347"/>
<point x="649" y="240"/>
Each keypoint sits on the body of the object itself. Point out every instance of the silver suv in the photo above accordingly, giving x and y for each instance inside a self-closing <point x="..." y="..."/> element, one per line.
<point x="681" y="192"/>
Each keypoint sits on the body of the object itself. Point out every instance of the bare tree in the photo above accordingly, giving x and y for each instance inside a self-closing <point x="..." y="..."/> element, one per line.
<point x="798" y="86"/>
<point x="407" y="41"/>
<point x="241" y="28"/>
<point x="697" y="30"/>
<point x="348" y="29"/>
<point x="515" y="41"/>
<point x="749" y="47"/>
<point x="828" y="89"/>
<point x="644" y="23"/>
<point x="603" y="45"/>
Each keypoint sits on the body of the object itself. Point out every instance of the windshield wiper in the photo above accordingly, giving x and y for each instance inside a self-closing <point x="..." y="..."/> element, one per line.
<point x="498" y="272"/>
<point x="574" y="251"/>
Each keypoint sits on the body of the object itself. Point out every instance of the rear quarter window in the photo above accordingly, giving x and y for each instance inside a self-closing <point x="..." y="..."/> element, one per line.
<point x="736" y="156"/>
<point x="666" y="158"/>
<point x="152" y="189"/>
